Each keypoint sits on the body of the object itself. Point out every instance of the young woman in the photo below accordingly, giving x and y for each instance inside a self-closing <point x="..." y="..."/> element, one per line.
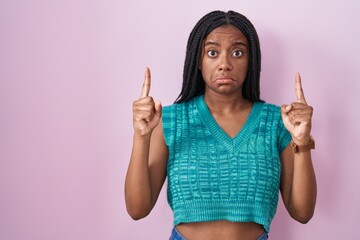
<point x="225" y="152"/>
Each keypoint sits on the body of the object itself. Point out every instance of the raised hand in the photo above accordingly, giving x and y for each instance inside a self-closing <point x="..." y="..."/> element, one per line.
<point x="146" y="112"/>
<point x="297" y="116"/>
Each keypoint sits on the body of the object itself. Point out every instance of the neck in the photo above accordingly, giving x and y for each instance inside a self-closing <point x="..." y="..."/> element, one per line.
<point x="222" y="103"/>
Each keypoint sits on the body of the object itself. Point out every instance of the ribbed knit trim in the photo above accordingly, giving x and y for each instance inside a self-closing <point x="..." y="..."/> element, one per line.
<point x="236" y="211"/>
<point x="241" y="138"/>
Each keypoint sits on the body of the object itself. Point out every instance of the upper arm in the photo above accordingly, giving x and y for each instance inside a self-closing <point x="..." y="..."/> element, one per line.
<point x="158" y="157"/>
<point x="287" y="174"/>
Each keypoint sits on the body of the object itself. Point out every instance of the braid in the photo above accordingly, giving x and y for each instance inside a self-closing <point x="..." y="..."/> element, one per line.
<point x="193" y="82"/>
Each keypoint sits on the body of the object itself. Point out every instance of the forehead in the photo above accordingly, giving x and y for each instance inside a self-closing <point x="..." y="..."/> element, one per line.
<point x="226" y="32"/>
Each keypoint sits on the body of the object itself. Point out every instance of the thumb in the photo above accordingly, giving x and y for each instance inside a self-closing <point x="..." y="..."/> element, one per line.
<point x="285" y="109"/>
<point x="158" y="108"/>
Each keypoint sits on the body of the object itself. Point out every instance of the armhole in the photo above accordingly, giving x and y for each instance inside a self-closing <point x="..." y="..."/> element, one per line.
<point x="168" y="123"/>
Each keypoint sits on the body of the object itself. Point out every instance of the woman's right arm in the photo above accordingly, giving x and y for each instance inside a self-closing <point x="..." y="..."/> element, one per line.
<point x="147" y="168"/>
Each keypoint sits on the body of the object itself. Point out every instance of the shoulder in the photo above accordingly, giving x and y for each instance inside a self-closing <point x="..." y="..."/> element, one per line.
<point x="270" y="113"/>
<point x="170" y="110"/>
<point x="176" y="107"/>
<point x="270" y="106"/>
<point x="174" y="118"/>
<point x="266" y="108"/>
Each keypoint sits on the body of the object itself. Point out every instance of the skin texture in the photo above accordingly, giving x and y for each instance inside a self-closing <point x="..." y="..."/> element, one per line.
<point x="224" y="66"/>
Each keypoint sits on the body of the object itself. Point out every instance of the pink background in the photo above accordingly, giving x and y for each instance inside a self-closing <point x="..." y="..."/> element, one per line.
<point x="69" y="71"/>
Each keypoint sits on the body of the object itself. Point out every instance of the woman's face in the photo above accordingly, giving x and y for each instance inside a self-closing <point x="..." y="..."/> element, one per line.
<point x="224" y="61"/>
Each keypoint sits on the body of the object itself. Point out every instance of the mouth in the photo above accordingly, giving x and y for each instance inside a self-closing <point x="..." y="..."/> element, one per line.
<point x="224" y="79"/>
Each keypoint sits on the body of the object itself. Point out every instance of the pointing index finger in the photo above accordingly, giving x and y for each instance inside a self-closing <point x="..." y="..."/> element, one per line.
<point x="146" y="85"/>
<point x="299" y="92"/>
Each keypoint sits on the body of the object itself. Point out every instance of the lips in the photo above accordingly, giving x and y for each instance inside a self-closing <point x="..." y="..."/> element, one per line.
<point x="224" y="79"/>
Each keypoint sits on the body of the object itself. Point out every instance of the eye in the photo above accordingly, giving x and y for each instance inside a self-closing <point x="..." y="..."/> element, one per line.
<point x="212" y="53"/>
<point x="237" y="53"/>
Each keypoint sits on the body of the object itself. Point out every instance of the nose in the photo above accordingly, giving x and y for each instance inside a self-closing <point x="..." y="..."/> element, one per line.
<point x="225" y="64"/>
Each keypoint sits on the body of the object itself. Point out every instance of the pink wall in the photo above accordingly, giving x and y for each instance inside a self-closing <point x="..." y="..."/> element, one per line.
<point x="69" y="71"/>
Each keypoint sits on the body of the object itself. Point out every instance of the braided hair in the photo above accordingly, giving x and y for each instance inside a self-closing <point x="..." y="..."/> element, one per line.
<point x="193" y="82"/>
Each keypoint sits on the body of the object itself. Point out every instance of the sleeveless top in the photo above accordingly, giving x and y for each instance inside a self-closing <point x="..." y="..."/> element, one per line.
<point x="212" y="176"/>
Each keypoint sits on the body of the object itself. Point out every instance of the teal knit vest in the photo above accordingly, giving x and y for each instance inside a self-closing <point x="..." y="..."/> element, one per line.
<point x="214" y="177"/>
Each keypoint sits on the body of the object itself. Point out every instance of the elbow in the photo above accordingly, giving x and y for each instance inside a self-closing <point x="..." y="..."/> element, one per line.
<point x="304" y="212"/>
<point x="137" y="209"/>
<point x="137" y="216"/>
<point x="304" y="217"/>
<point x="137" y="213"/>
<point x="304" y="220"/>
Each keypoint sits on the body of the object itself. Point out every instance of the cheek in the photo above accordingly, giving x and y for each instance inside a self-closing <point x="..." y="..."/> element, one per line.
<point x="246" y="66"/>
<point x="243" y="67"/>
<point x="204" y="74"/>
<point x="205" y="70"/>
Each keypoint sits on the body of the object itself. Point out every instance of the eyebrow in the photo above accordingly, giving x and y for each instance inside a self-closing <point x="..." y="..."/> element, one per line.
<point x="210" y="43"/>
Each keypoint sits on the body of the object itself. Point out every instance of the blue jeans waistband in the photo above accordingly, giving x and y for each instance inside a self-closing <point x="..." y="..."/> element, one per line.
<point x="175" y="235"/>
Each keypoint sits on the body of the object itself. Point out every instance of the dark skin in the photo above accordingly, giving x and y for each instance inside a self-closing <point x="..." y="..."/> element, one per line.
<point x="224" y="65"/>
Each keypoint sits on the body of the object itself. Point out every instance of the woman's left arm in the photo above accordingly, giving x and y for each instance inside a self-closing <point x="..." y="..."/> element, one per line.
<point x="298" y="181"/>
<point x="298" y="184"/>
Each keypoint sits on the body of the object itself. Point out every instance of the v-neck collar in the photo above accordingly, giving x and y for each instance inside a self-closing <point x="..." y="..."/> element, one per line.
<point x="237" y="142"/>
